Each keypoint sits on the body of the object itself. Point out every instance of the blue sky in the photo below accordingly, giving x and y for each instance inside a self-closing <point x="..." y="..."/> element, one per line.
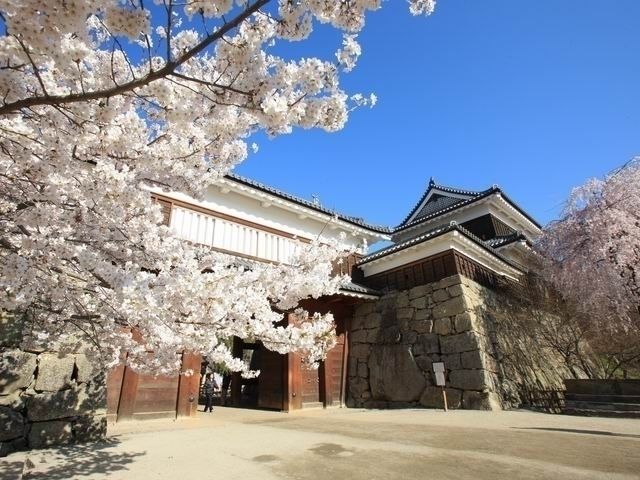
<point x="536" y="96"/>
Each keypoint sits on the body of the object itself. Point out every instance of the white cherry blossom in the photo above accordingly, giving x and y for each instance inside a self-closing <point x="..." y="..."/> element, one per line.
<point x="101" y="100"/>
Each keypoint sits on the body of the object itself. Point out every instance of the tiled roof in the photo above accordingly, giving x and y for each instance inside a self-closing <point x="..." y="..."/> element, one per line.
<point x="306" y="203"/>
<point x="501" y="241"/>
<point x="445" y="209"/>
<point x="440" y="207"/>
<point x="440" y="204"/>
<point x="436" y="204"/>
<point x="433" y="234"/>
<point x="357" y="288"/>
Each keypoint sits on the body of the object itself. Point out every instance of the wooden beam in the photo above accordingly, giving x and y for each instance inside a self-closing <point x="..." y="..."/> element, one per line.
<point x="188" y="386"/>
<point x="127" y="402"/>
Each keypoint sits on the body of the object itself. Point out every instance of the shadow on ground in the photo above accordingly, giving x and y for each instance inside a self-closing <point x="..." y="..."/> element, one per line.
<point x="72" y="461"/>
<point x="584" y="432"/>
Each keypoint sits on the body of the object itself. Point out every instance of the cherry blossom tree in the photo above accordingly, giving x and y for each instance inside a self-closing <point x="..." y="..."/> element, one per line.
<point x="593" y="255"/>
<point x="101" y="100"/>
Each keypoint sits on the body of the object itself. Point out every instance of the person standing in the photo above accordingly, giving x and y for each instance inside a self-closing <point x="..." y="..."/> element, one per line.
<point x="209" y="388"/>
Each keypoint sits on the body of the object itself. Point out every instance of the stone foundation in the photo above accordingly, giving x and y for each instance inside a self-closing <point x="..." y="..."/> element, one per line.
<point x="395" y="340"/>
<point x="47" y="397"/>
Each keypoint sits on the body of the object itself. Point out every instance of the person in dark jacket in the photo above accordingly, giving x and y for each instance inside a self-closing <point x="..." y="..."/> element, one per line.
<point x="209" y="387"/>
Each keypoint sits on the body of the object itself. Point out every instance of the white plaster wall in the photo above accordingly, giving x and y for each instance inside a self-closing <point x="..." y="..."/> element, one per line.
<point x="251" y="205"/>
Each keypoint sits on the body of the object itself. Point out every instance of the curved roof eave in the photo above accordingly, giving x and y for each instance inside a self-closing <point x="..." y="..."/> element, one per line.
<point x="464" y="203"/>
<point x="358" y="222"/>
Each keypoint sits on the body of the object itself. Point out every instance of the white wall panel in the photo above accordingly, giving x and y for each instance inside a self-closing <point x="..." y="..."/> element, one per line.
<point x="209" y="230"/>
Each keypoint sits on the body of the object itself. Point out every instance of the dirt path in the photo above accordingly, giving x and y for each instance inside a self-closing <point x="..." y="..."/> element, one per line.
<point x="353" y="444"/>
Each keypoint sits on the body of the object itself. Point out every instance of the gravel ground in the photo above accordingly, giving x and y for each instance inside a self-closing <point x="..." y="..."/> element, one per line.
<point x="348" y="443"/>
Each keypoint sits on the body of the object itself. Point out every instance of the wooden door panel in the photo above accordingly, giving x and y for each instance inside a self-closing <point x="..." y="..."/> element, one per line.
<point x="334" y="374"/>
<point x="156" y="395"/>
<point x="114" y="387"/>
<point x="271" y="380"/>
<point x="310" y="388"/>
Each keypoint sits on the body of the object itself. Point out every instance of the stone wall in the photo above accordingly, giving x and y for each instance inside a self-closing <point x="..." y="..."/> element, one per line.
<point x="47" y="397"/>
<point x="395" y="340"/>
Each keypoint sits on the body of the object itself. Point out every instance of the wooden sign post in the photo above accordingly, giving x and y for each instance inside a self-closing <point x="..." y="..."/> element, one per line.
<point x="438" y="370"/>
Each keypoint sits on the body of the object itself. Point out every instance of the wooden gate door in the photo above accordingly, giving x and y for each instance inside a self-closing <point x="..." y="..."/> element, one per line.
<point x="271" y="388"/>
<point x="334" y="374"/>
<point x="310" y="387"/>
<point x="134" y="396"/>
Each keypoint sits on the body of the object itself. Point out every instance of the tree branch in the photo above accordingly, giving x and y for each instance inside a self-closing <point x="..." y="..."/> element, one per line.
<point x="168" y="69"/>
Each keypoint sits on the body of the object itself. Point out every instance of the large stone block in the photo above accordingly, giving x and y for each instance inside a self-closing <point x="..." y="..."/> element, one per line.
<point x="449" y="308"/>
<point x="10" y="330"/>
<point x="440" y="295"/>
<point x="357" y="386"/>
<point x="402" y="300"/>
<point x="394" y="374"/>
<point x="373" y="335"/>
<point x="358" y="322"/>
<point x="432" y="398"/>
<point x="376" y="404"/>
<point x="90" y="428"/>
<point x="409" y="337"/>
<point x="452" y="361"/>
<point x="425" y="364"/>
<point x="11" y="446"/>
<point x="422" y="326"/>
<point x="480" y="401"/>
<point x="404" y="324"/>
<point x="365" y="309"/>
<point x="46" y="434"/>
<point x="352" y="366"/>
<point x="54" y="372"/>
<point x="465" y="322"/>
<point x="14" y="400"/>
<point x="461" y="342"/>
<point x="422" y="314"/>
<point x="420" y="291"/>
<point x="391" y="335"/>
<point x="359" y="336"/>
<point x="470" y="379"/>
<point x="17" y="369"/>
<point x="388" y="318"/>
<point x="87" y="368"/>
<point x="420" y="302"/>
<point x="373" y="320"/>
<point x="65" y="403"/>
<point x="442" y="326"/>
<point x="476" y="359"/>
<point x="455" y="290"/>
<point x="405" y="313"/>
<point x="11" y="424"/>
<point x="447" y="282"/>
<point x="360" y="351"/>
<point x="474" y="297"/>
<point x="426" y="344"/>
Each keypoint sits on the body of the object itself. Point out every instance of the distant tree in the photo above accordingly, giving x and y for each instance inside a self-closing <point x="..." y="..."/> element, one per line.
<point x="593" y="259"/>
<point x="102" y="99"/>
<point x="536" y="312"/>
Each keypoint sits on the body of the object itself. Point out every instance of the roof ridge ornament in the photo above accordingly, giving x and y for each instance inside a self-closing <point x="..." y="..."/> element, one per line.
<point x="432" y="182"/>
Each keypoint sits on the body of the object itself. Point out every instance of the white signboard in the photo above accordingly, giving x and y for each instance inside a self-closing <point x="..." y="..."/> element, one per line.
<point x="438" y="367"/>
<point x="439" y="379"/>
